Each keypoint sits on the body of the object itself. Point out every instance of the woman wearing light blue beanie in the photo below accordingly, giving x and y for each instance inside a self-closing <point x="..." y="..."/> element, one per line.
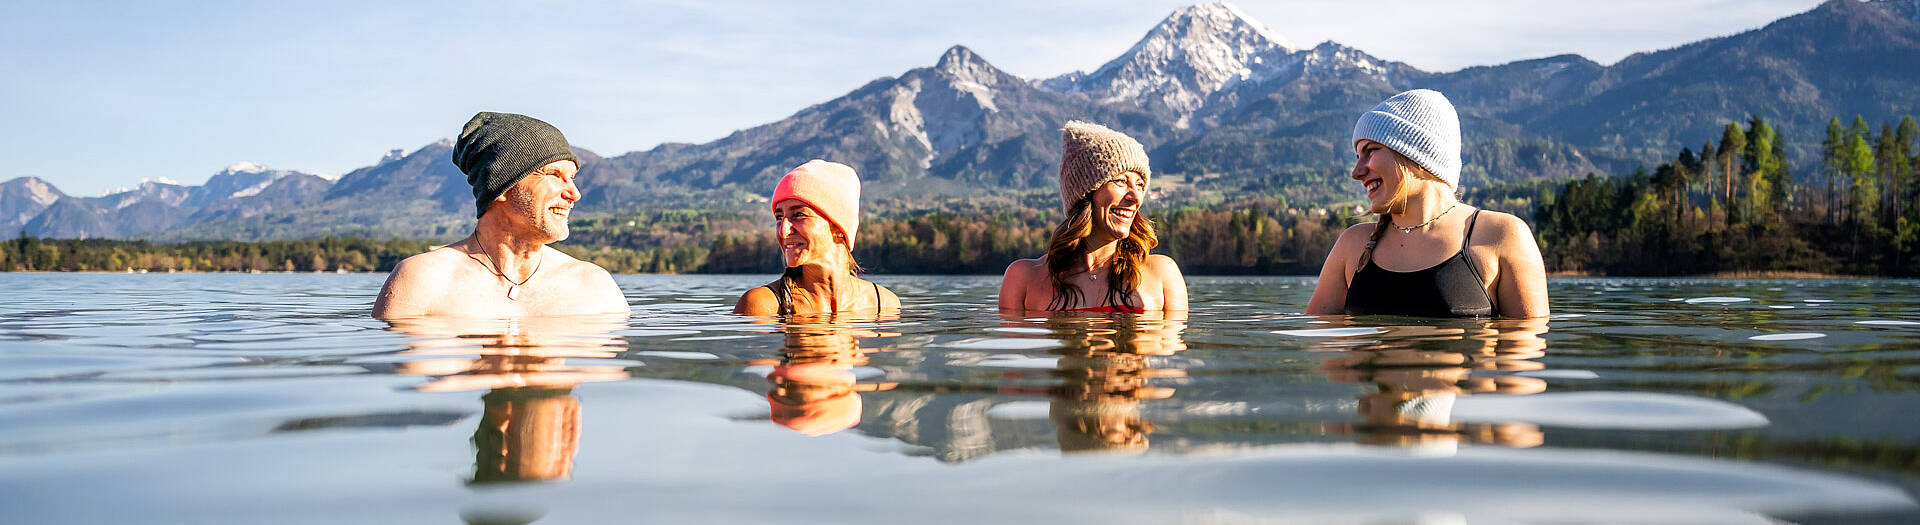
<point x="1428" y="254"/>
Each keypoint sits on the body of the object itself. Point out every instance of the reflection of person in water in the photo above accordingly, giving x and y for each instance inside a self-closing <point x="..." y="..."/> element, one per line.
<point x="1422" y="370"/>
<point x="529" y="428"/>
<point x="1106" y="377"/>
<point x="813" y="389"/>
<point x="526" y="434"/>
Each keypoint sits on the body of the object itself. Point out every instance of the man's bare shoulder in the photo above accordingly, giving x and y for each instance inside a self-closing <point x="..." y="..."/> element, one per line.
<point x="572" y="266"/>
<point x="418" y="283"/>
<point x="585" y="273"/>
<point x="434" y="265"/>
<point x="589" y="282"/>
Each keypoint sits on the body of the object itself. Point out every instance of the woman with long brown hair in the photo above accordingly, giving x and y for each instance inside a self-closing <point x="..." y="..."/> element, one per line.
<point x="1428" y="254"/>
<point x="816" y="214"/>
<point x="1099" y="259"/>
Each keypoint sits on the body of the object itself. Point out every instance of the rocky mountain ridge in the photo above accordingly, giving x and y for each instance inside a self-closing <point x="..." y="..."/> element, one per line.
<point x="1220" y="101"/>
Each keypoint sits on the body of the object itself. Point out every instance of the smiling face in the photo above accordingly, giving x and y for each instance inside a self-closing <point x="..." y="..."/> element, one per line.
<point x="805" y="236"/>
<point x="1378" y="170"/>
<point x="537" y="207"/>
<point x="1116" y="203"/>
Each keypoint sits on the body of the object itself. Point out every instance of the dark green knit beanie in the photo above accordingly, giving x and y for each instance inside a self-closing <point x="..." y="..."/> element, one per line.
<point x="496" y="150"/>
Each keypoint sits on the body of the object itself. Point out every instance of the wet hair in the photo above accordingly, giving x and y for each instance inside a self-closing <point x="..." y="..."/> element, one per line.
<point x="1067" y="249"/>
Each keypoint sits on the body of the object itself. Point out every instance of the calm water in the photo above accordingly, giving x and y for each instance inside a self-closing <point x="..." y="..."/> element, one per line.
<point x="273" y="398"/>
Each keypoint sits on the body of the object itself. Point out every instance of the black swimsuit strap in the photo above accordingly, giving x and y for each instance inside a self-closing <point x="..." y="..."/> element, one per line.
<point x="779" y="289"/>
<point x="1469" y="236"/>
<point x="1465" y="240"/>
<point x="1380" y="230"/>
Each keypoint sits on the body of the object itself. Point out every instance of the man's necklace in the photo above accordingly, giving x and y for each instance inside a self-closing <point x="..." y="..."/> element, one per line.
<point x="513" y="288"/>
<point x="1410" y="229"/>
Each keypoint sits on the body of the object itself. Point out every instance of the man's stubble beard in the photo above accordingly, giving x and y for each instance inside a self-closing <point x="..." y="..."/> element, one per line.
<point x="549" y="226"/>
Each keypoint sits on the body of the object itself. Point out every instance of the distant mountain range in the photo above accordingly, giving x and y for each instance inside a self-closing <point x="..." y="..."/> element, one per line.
<point x="1222" y="103"/>
<point x="242" y="190"/>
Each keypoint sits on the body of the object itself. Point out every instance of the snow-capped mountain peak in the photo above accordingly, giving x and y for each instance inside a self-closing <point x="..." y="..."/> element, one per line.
<point x="244" y="167"/>
<point x="1194" y="52"/>
<point x="970" y="74"/>
<point x="965" y="66"/>
<point x="1226" y="13"/>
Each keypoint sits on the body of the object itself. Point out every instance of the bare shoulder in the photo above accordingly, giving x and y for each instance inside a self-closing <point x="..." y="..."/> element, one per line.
<point x="590" y="281"/>
<point x="1501" y="228"/>
<point x="568" y="264"/>
<point x="1163" y="264"/>
<point x="1359" y="231"/>
<point x="1025" y="269"/>
<point x="1353" y="239"/>
<point x="416" y="285"/>
<point x="582" y="272"/>
<point x="758" y="301"/>
<point x="427" y="266"/>
<point x="888" y="299"/>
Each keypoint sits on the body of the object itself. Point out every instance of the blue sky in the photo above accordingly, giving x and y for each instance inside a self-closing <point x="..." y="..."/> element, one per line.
<point x="98" y="95"/>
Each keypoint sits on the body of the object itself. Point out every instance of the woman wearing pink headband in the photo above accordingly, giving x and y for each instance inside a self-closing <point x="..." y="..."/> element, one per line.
<point x="816" y="213"/>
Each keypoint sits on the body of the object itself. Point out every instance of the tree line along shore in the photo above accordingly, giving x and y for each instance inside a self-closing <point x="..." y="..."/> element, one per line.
<point x="1730" y="207"/>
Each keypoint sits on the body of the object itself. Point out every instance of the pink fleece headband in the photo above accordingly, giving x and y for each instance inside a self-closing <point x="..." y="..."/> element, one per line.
<point x="831" y="188"/>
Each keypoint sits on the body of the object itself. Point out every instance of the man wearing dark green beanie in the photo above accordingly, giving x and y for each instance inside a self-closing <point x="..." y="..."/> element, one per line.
<point x="522" y="173"/>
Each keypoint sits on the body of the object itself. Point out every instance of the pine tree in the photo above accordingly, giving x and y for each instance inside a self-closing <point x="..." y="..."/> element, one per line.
<point x="1893" y="166"/>
<point x="1832" y="161"/>
<point x="1904" y="147"/>
<point x="1732" y="141"/>
<point x="1865" y="198"/>
<point x="1706" y="168"/>
<point x="1762" y="163"/>
<point x="1780" y="176"/>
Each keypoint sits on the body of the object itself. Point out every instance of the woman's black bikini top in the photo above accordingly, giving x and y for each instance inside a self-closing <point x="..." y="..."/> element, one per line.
<point x="786" y="301"/>
<point x="1452" y="288"/>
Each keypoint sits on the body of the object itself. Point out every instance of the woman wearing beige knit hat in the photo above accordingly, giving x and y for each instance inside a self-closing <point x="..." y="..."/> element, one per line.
<point x="1428" y="254"/>
<point x="816" y="214"/>
<point x="1098" y="259"/>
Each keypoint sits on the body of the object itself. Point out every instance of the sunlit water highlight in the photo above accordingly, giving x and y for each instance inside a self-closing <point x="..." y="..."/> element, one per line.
<point x="273" y="398"/>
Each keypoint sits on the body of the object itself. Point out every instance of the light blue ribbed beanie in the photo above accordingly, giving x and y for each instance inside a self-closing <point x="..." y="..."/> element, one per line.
<point x="1422" y="126"/>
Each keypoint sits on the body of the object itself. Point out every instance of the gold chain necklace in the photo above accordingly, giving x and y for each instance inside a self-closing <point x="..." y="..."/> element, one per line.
<point x="513" y="288"/>
<point x="1410" y="229"/>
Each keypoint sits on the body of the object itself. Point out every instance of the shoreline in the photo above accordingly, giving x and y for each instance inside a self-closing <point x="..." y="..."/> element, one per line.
<point x="1558" y="274"/>
<point x="1748" y="274"/>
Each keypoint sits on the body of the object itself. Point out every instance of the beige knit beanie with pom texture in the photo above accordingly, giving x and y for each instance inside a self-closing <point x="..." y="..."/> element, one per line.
<point x="1093" y="155"/>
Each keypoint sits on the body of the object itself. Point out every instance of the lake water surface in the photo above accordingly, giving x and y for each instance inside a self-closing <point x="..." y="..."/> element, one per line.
<point x="275" y="399"/>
